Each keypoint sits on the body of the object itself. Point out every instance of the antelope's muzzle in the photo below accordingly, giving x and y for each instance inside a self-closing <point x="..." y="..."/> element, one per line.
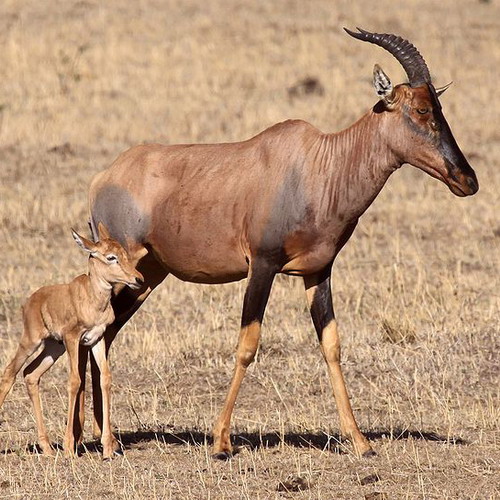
<point x="462" y="180"/>
<point x="137" y="281"/>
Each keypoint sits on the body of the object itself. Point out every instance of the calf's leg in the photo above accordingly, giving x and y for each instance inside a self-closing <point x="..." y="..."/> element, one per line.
<point x="32" y="373"/>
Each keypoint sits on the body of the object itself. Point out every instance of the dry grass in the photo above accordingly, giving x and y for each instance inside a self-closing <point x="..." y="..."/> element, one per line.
<point x="82" y="80"/>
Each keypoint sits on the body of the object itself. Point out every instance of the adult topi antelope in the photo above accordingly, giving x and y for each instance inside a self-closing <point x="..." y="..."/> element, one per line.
<point x="64" y="316"/>
<point x="285" y="201"/>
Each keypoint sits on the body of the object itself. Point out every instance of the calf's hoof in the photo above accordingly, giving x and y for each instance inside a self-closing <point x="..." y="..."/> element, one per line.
<point x="46" y="449"/>
<point x="48" y="452"/>
<point x="106" y="457"/>
<point x="222" y="455"/>
<point x="70" y="453"/>
<point x="70" y="450"/>
<point x="112" y="450"/>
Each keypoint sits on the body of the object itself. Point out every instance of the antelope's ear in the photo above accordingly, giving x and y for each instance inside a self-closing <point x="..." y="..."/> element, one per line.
<point x="103" y="232"/>
<point x="382" y="83"/>
<point x="83" y="243"/>
<point x="441" y="90"/>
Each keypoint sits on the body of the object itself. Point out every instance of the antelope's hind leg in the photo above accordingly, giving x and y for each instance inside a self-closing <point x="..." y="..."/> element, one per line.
<point x="320" y="303"/>
<point x="32" y="373"/>
<point x="30" y="341"/>
<point x="260" y="280"/>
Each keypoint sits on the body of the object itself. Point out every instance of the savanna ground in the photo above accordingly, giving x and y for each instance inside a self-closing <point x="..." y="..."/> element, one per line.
<point x="416" y="290"/>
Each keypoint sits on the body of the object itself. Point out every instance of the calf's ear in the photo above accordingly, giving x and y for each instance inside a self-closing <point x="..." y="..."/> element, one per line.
<point x="103" y="232"/>
<point x="83" y="242"/>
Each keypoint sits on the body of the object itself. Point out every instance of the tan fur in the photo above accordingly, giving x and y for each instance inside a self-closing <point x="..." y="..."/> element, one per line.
<point x="63" y="316"/>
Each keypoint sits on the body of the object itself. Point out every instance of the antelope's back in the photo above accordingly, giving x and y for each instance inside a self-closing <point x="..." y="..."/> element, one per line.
<point x="203" y="207"/>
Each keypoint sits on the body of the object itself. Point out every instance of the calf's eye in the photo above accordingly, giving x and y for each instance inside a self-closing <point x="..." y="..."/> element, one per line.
<point x="422" y="111"/>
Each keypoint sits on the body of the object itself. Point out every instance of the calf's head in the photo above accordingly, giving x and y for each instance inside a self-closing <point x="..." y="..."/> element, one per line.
<point x="110" y="260"/>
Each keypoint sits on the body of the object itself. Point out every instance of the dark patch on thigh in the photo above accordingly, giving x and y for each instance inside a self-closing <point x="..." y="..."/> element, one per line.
<point x="257" y="292"/>
<point x="117" y="210"/>
<point x="322" y="308"/>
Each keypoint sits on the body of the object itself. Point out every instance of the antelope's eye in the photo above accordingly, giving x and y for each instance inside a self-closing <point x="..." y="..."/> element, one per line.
<point x="422" y="111"/>
<point x="111" y="258"/>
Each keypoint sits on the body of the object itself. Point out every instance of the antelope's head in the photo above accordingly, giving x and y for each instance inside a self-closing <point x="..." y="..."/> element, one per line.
<point x="423" y="137"/>
<point x="109" y="259"/>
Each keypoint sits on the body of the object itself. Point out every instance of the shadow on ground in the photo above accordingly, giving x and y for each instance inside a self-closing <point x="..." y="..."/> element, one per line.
<point x="322" y="441"/>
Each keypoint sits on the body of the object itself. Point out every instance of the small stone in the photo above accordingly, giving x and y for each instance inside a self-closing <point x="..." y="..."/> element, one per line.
<point x="294" y="483"/>
<point x="372" y="478"/>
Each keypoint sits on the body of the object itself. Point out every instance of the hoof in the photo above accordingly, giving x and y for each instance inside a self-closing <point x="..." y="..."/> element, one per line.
<point x="109" y="456"/>
<point x="222" y="455"/>
<point x="45" y="450"/>
<point x="115" y="452"/>
<point x="369" y="454"/>
<point x="48" y="453"/>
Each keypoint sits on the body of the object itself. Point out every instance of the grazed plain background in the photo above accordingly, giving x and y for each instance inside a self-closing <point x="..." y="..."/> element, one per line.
<point x="416" y="290"/>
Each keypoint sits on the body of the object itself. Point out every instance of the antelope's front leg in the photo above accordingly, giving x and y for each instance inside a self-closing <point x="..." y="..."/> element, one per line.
<point x="79" y="424"/>
<point x="97" y="422"/>
<point x="256" y="295"/>
<point x="319" y="297"/>
<point x="72" y="341"/>
<point x="109" y="443"/>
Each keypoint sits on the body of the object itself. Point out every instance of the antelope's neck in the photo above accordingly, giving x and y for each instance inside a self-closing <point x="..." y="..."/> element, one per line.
<point x="99" y="290"/>
<point x="354" y="165"/>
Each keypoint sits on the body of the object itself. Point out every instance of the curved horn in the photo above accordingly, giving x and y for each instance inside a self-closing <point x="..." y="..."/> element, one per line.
<point x="405" y="52"/>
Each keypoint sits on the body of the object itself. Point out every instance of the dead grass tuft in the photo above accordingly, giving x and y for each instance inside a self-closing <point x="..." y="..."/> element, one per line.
<point x="398" y="332"/>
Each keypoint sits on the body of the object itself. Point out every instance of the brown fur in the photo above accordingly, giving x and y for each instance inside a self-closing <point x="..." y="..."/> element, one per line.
<point x="286" y="201"/>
